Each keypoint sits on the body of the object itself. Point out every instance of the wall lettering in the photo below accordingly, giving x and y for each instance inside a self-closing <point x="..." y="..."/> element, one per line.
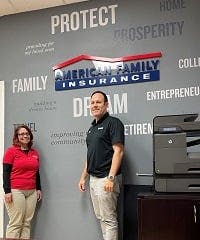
<point x="117" y="104"/>
<point x="84" y="19"/>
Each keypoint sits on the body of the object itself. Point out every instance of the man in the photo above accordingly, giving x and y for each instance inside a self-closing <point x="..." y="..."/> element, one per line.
<point x="105" y="149"/>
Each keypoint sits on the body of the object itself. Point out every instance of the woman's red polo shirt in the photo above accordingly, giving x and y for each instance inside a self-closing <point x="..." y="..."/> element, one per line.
<point x="24" y="167"/>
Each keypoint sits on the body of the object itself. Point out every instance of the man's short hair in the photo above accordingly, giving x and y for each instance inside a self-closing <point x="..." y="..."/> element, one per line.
<point x="104" y="95"/>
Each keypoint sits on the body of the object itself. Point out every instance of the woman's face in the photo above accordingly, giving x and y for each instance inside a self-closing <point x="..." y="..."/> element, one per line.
<point x="23" y="137"/>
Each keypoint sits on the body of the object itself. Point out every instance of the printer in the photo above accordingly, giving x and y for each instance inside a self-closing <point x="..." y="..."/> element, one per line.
<point x="176" y="167"/>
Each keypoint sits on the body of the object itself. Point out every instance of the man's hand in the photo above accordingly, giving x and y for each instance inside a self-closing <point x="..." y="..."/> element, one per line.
<point x="81" y="185"/>
<point x="108" y="186"/>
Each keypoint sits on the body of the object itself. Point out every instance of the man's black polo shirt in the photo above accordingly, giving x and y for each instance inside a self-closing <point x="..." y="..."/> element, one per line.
<point x="100" y="138"/>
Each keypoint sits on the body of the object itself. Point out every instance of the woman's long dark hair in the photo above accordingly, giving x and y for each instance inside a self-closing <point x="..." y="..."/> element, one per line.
<point x="16" y="139"/>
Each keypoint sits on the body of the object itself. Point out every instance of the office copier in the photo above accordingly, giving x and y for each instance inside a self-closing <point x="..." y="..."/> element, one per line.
<point x="176" y="157"/>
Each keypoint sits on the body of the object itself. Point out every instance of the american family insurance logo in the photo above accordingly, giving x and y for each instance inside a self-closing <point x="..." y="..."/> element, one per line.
<point x="100" y="71"/>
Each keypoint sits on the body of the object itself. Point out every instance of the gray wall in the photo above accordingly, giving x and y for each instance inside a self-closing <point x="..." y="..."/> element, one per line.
<point x="30" y="45"/>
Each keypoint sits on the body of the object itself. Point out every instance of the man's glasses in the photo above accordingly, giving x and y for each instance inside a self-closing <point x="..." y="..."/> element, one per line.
<point x="24" y="134"/>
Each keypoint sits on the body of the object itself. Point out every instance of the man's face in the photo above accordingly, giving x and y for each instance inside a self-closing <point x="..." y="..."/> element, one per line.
<point x="98" y="106"/>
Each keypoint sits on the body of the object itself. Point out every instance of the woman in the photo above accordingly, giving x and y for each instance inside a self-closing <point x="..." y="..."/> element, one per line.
<point x="21" y="183"/>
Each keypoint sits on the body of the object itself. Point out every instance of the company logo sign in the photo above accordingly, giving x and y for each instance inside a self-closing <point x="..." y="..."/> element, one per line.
<point x="100" y="71"/>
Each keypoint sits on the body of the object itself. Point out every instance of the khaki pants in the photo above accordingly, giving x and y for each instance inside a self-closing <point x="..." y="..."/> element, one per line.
<point x="105" y="206"/>
<point x="20" y="212"/>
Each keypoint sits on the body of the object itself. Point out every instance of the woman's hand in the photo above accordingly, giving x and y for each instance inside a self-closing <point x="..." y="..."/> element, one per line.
<point x="39" y="195"/>
<point x="8" y="197"/>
